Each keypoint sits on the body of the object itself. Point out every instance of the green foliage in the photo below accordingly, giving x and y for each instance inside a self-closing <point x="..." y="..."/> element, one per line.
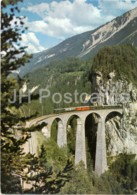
<point x="13" y="161"/>
<point x="54" y="129"/>
<point x="90" y="133"/>
<point x="56" y="157"/>
<point x="15" y="165"/>
<point x="79" y="183"/>
<point x="121" y="178"/>
<point x="71" y="136"/>
<point x="121" y="58"/>
<point x="60" y="76"/>
<point x="74" y="74"/>
<point x="42" y="178"/>
<point x="84" y="182"/>
<point x="106" y="184"/>
<point x="124" y="169"/>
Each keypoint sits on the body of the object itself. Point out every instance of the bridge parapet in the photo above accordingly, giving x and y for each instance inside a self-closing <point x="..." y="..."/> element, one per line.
<point x="102" y="111"/>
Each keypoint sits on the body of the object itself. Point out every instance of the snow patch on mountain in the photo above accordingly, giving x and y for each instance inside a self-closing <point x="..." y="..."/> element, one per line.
<point x="50" y="56"/>
<point x="39" y="60"/>
<point x="63" y="50"/>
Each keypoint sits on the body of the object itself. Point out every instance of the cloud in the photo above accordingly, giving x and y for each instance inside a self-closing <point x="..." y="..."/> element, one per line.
<point x="62" y="19"/>
<point x="33" y="45"/>
<point x="116" y="7"/>
<point x="65" y="18"/>
<point x="29" y="39"/>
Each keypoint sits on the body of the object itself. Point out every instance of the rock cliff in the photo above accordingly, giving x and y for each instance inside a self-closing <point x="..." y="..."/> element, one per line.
<point x="121" y="131"/>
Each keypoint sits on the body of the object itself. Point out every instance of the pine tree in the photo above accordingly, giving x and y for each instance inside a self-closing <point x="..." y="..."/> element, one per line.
<point x="13" y="56"/>
<point x="16" y="167"/>
<point x="43" y="178"/>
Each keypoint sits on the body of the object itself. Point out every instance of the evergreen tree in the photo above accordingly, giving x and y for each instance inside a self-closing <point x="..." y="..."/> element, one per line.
<point x="43" y="178"/>
<point x="13" y="56"/>
<point x="16" y="167"/>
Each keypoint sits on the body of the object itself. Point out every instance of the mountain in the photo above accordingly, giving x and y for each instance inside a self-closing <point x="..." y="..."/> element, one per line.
<point x="71" y="75"/>
<point x="120" y="30"/>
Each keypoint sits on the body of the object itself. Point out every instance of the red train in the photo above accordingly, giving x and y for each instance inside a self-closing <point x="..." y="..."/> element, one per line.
<point x="71" y="109"/>
<point x="83" y="108"/>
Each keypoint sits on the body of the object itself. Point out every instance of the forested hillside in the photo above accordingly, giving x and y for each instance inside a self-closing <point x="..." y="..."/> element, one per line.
<point x="122" y="59"/>
<point x="74" y="74"/>
<point x="60" y="77"/>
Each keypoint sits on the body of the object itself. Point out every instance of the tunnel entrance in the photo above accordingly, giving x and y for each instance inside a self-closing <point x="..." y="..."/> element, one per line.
<point x="91" y="124"/>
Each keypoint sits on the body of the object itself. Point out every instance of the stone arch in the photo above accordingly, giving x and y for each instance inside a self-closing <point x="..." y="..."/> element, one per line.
<point x="56" y="123"/>
<point x="112" y="114"/>
<point x="74" y="116"/>
<point x="46" y="131"/>
<point x="71" y="127"/>
<point x="114" y="133"/>
<point x="91" y="127"/>
<point x="79" y="153"/>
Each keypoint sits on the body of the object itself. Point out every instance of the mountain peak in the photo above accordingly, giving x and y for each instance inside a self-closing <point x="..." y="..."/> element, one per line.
<point x="122" y="29"/>
<point x="108" y="30"/>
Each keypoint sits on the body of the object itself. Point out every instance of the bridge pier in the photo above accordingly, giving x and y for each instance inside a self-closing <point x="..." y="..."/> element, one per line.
<point x="61" y="135"/>
<point x="80" y="151"/>
<point x="101" y="156"/>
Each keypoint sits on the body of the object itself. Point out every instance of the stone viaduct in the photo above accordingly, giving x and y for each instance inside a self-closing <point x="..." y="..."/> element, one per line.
<point x="80" y="150"/>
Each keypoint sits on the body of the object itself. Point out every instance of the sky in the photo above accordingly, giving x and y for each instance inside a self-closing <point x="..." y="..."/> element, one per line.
<point x="52" y="21"/>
